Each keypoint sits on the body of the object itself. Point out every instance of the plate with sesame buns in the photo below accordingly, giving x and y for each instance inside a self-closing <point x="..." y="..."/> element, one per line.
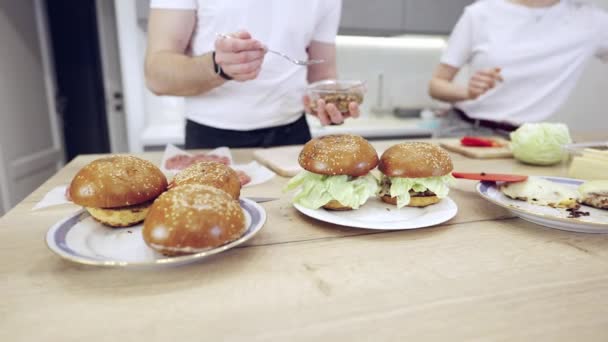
<point x="82" y="239"/>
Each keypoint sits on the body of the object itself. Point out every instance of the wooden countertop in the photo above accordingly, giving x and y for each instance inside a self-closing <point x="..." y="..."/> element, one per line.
<point x="483" y="275"/>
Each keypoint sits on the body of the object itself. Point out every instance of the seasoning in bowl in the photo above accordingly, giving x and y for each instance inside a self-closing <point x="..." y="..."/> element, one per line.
<point x="339" y="93"/>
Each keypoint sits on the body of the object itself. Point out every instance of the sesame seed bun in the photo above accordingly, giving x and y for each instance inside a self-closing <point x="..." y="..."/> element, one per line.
<point x="191" y="219"/>
<point x="117" y="181"/>
<point x="210" y="173"/>
<point x="415" y="160"/>
<point x="339" y="155"/>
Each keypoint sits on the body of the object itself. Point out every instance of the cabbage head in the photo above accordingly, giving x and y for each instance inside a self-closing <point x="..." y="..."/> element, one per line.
<point x="540" y="143"/>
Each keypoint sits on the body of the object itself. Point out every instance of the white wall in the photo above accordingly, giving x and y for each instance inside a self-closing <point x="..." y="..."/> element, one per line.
<point x="396" y="70"/>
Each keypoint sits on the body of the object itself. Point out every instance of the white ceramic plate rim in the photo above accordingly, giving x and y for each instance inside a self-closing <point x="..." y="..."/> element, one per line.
<point x="540" y="216"/>
<point x="258" y="218"/>
<point x="335" y="217"/>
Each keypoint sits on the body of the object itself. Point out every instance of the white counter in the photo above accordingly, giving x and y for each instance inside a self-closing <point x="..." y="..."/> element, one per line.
<point x="374" y="127"/>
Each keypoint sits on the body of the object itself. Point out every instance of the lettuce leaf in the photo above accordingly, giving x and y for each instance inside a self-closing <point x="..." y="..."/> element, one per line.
<point x="317" y="190"/>
<point x="400" y="187"/>
<point x="540" y="143"/>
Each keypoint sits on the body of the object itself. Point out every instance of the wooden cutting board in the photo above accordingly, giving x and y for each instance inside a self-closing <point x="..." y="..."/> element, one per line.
<point x="282" y="160"/>
<point x="478" y="152"/>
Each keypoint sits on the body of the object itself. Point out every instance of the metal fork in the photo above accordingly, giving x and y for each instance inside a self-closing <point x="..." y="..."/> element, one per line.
<point x="292" y="60"/>
<point x="297" y="61"/>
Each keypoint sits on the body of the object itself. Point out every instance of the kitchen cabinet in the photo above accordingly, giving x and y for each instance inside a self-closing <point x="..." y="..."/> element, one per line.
<point x="435" y="17"/>
<point x="363" y="17"/>
<point x="381" y="18"/>
<point x="393" y="17"/>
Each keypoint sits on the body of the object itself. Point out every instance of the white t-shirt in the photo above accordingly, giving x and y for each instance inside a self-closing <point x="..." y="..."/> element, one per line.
<point x="275" y="97"/>
<point x="542" y="53"/>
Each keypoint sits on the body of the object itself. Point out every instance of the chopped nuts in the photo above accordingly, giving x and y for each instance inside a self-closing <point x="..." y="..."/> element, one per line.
<point x="341" y="101"/>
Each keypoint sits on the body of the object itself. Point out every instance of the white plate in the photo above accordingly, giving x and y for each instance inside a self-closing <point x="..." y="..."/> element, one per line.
<point x="81" y="239"/>
<point x="596" y="222"/>
<point x="376" y="214"/>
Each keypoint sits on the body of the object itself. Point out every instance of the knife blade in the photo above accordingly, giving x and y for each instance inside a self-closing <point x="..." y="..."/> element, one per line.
<point x="492" y="177"/>
<point x="258" y="199"/>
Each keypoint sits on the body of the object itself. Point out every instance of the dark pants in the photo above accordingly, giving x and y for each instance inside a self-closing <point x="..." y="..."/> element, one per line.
<point x="455" y="124"/>
<point x="200" y="136"/>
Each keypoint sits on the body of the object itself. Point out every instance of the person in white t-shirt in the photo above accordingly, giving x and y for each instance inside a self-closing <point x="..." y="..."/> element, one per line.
<point x="526" y="57"/>
<point x="237" y="95"/>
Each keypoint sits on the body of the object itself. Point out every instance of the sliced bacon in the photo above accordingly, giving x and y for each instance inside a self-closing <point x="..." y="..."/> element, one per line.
<point x="243" y="177"/>
<point x="211" y="157"/>
<point x="182" y="161"/>
<point x="178" y="162"/>
<point x="67" y="193"/>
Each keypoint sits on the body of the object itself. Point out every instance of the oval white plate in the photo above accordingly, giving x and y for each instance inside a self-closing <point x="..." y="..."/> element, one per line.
<point x="81" y="239"/>
<point x="596" y="222"/>
<point x="376" y="214"/>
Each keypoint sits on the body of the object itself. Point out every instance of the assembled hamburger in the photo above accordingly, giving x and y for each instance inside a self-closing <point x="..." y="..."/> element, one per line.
<point x="336" y="173"/>
<point x="415" y="174"/>
<point x="118" y="190"/>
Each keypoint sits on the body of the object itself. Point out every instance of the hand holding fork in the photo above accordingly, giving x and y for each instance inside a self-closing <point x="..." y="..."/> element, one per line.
<point x="241" y="56"/>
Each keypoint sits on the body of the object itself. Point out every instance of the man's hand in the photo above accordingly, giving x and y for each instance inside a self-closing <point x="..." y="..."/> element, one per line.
<point x="328" y="113"/>
<point x="482" y="81"/>
<point x="240" y="56"/>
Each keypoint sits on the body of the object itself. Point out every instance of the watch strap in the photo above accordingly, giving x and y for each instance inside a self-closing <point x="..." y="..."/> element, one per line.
<point x="218" y="69"/>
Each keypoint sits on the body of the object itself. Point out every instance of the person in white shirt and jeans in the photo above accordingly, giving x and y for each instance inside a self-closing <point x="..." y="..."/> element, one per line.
<point x="236" y="94"/>
<point x="526" y="57"/>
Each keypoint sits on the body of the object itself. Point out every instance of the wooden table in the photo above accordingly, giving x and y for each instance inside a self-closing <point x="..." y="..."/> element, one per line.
<point x="483" y="275"/>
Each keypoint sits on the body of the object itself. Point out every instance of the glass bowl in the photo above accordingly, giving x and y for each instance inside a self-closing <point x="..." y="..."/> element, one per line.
<point x="338" y="92"/>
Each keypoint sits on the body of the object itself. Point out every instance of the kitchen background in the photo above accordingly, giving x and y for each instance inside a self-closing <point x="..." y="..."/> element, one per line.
<point x="71" y="81"/>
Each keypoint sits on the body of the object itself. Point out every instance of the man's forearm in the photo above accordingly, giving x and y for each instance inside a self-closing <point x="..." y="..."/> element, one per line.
<point x="320" y="75"/>
<point x="447" y="91"/>
<point x="169" y="73"/>
<point x="320" y="72"/>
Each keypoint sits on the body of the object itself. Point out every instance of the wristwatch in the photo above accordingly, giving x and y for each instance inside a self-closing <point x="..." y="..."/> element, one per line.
<point x="218" y="69"/>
